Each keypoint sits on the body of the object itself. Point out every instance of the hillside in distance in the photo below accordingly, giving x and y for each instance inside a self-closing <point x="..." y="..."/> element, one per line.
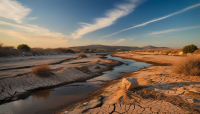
<point x="116" y="47"/>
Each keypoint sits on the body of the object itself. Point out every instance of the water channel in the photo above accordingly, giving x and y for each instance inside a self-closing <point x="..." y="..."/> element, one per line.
<point x="47" y="101"/>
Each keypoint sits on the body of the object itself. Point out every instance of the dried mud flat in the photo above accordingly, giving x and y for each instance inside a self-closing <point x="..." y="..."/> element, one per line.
<point x="18" y="82"/>
<point x="160" y="91"/>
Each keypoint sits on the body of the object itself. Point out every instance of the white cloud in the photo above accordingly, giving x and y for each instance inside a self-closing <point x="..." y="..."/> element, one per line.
<point x="31" y="32"/>
<point x="118" y="41"/>
<point x="47" y="37"/>
<point x="99" y="23"/>
<point x="11" y="9"/>
<point x="173" y="30"/>
<point x="25" y="27"/>
<point x="154" y="20"/>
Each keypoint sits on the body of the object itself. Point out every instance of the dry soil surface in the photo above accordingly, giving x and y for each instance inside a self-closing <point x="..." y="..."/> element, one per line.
<point x="160" y="91"/>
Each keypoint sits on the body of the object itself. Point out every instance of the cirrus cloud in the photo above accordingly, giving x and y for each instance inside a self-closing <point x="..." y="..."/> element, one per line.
<point x="154" y="20"/>
<point x="110" y="18"/>
<point x="173" y="30"/>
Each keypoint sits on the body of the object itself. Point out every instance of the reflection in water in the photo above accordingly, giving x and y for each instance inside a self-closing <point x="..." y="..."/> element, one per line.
<point x="44" y="94"/>
<point x="46" y="100"/>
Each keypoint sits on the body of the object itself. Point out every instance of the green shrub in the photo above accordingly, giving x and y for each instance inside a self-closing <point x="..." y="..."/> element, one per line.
<point x="1" y="45"/>
<point x="85" y="69"/>
<point x="97" y="67"/>
<point x="189" y="48"/>
<point x="24" y="47"/>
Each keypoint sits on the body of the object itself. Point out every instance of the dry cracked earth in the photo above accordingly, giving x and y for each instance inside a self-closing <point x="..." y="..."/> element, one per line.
<point x="165" y="93"/>
<point x="18" y="83"/>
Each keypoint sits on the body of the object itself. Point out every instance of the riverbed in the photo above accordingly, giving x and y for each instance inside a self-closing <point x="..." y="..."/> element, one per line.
<point x="47" y="101"/>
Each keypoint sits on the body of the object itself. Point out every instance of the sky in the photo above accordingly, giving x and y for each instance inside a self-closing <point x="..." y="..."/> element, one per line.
<point x="67" y="23"/>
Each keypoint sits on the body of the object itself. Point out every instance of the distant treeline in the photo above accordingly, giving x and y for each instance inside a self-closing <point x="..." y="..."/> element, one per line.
<point x="9" y="51"/>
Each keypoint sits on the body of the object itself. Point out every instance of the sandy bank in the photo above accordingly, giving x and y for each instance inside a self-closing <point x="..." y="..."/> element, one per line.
<point x="155" y="59"/>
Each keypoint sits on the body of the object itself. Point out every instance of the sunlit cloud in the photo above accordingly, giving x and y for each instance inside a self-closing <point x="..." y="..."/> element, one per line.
<point x="33" y="33"/>
<point x="110" y="18"/>
<point x="154" y="20"/>
<point x="13" y="10"/>
<point x="47" y="37"/>
<point x="172" y="30"/>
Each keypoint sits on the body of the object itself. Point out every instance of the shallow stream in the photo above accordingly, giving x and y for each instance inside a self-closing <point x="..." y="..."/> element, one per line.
<point x="47" y="101"/>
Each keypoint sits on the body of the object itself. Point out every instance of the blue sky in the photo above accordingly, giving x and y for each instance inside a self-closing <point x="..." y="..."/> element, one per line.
<point x="65" y="23"/>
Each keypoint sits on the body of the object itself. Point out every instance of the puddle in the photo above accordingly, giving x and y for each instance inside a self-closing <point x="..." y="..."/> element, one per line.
<point x="47" y="101"/>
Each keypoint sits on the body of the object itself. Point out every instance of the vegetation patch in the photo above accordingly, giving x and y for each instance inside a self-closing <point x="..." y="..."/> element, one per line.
<point x="24" y="47"/>
<point x="42" y="70"/>
<point x="97" y="67"/>
<point x="82" y="55"/>
<point x="85" y="69"/>
<point x="189" y="48"/>
<point x="189" y="66"/>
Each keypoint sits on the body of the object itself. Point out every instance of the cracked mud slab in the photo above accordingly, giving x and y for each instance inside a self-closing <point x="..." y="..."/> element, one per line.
<point x="150" y="107"/>
<point x="20" y="83"/>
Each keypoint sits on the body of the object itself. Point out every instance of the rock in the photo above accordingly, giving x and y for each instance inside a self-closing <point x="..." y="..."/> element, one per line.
<point x="129" y="83"/>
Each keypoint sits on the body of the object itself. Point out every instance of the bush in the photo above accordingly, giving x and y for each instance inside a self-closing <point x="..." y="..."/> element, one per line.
<point x="82" y="55"/>
<point x="189" y="48"/>
<point x="85" y="69"/>
<point x="188" y="66"/>
<point x="1" y="45"/>
<point x="24" y="47"/>
<point x="97" y="67"/>
<point x="9" y="51"/>
<point x="42" y="70"/>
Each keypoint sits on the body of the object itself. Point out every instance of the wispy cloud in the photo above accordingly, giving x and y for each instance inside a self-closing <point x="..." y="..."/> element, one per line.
<point x="154" y="20"/>
<point x="118" y="41"/>
<point x="172" y="30"/>
<point x="25" y="27"/>
<point x="13" y="10"/>
<point x="47" y="37"/>
<point x="33" y="30"/>
<point x="110" y="18"/>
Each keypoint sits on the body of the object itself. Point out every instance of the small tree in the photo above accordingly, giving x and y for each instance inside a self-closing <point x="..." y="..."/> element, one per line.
<point x="1" y="46"/>
<point x="24" y="47"/>
<point x="189" y="48"/>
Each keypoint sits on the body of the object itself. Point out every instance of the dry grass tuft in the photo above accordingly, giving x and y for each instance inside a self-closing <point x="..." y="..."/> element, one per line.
<point x="189" y="66"/>
<point x="42" y="70"/>
<point x="82" y="55"/>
